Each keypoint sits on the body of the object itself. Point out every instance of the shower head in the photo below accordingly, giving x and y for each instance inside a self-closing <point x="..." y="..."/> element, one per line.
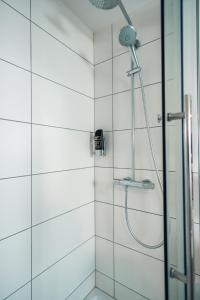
<point x="105" y="4"/>
<point x="128" y="36"/>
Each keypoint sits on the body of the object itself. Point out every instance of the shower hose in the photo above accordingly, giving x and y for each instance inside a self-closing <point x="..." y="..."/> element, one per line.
<point x="130" y="228"/>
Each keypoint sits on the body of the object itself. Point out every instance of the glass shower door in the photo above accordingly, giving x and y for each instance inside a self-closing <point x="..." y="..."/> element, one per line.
<point x="178" y="159"/>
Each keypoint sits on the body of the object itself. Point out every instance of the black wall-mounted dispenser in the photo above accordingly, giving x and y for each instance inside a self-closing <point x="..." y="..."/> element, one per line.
<point x="99" y="142"/>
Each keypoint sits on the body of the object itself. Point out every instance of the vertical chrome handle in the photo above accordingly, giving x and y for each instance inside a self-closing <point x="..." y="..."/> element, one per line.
<point x="188" y="197"/>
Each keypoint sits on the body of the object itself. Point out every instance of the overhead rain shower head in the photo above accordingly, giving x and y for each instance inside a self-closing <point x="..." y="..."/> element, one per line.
<point x="128" y="36"/>
<point x="105" y="4"/>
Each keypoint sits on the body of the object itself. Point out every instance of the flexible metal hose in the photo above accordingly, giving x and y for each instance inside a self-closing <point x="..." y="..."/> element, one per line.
<point x="154" y="161"/>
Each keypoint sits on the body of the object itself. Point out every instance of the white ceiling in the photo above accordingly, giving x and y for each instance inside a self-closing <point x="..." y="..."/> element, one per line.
<point x="96" y="18"/>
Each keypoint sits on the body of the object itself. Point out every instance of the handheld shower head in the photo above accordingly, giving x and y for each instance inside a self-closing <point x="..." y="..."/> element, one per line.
<point x="105" y="4"/>
<point x="128" y="36"/>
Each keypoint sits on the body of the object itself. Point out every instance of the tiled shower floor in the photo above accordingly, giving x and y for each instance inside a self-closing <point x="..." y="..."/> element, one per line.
<point x="96" y="294"/>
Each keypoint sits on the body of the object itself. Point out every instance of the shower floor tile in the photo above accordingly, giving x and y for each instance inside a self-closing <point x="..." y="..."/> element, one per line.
<point x="96" y="294"/>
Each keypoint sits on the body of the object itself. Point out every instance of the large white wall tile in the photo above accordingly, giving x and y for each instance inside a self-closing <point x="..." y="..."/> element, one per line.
<point x="15" y="261"/>
<point x="59" y="106"/>
<point x="122" y="149"/>
<point x="14" y="37"/>
<point x="104" y="220"/>
<point x="124" y="293"/>
<point x="147" y="227"/>
<point x="105" y="284"/>
<point x="122" y="111"/>
<point x="23" y="6"/>
<point x="15" y="93"/>
<point x="104" y="257"/>
<point x="197" y="287"/>
<point x="57" y="193"/>
<point x="103" y="113"/>
<point x="104" y="184"/>
<point x="143" y="157"/>
<point x="23" y="294"/>
<point x="15" y="151"/>
<point x="57" y="19"/>
<point x="140" y="272"/>
<point x="66" y="275"/>
<point x="103" y="79"/>
<point x="59" y="149"/>
<point x="15" y="205"/>
<point x="121" y="65"/>
<point x="83" y="290"/>
<point x="145" y="200"/>
<point x="103" y="44"/>
<point x="54" y="239"/>
<point x="53" y="60"/>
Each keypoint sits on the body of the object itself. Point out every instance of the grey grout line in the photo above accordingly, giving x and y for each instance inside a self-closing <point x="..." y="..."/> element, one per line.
<point x="40" y="27"/>
<point x="48" y="79"/>
<point x="69" y="253"/>
<point x="63" y="85"/>
<point x="116" y="281"/>
<point x="45" y="125"/>
<point x="125" y="91"/>
<point x="62" y="214"/>
<point x="125" y="52"/>
<point x="130" y="208"/>
<point x="45" y="173"/>
<point x="89" y="292"/>
<point x="17" y="290"/>
<point x="131" y="249"/>
<point x="80" y="284"/>
<point x="106" y="293"/>
<point x="15" y="233"/>
<point x="46" y="220"/>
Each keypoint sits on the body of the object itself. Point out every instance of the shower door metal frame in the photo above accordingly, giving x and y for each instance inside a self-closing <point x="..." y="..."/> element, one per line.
<point x="185" y="115"/>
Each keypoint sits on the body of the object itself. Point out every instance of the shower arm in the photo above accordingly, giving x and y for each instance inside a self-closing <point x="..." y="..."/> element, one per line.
<point x="125" y="13"/>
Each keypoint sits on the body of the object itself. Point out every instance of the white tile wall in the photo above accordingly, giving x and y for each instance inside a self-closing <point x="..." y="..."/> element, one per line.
<point x="64" y="54"/>
<point x="14" y="37"/>
<point x="103" y="113"/>
<point x="105" y="283"/>
<point x="57" y="149"/>
<point x="57" y="19"/>
<point x="145" y="283"/>
<point x="15" y="205"/>
<point x="56" y="238"/>
<point x="15" y="259"/>
<point x="103" y="79"/>
<point x="104" y="220"/>
<point x="103" y="44"/>
<point x="107" y="160"/>
<point x="104" y="256"/>
<point x="57" y="193"/>
<point x="23" y="294"/>
<point x="53" y="60"/>
<point x="15" y="95"/>
<point x="84" y="289"/>
<point x="63" y="275"/>
<point x="23" y="6"/>
<point x="59" y="106"/>
<point x="15" y="151"/>
<point x="123" y="293"/>
<point x="104" y="184"/>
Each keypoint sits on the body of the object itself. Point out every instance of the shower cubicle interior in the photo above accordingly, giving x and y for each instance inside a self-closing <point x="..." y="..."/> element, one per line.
<point x="63" y="231"/>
